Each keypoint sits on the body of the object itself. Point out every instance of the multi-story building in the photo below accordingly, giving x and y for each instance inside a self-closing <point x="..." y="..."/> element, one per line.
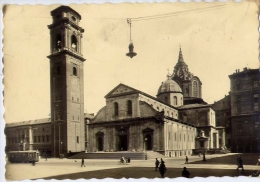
<point x="223" y="113"/>
<point x="35" y="135"/>
<point x="245" y="121"/>
<point x="29" y="135"/>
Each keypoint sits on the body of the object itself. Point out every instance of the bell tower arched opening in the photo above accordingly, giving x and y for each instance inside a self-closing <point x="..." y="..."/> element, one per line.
<point x="74" y="43"/>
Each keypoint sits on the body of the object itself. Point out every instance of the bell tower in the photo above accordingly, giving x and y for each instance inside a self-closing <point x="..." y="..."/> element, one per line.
<point x="67" y="82"/>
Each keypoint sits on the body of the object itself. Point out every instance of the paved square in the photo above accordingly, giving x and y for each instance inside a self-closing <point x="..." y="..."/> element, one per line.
<point x="216" y="165"/>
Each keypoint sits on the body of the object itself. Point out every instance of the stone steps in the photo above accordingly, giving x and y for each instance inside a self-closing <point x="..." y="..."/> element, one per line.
<point x="118" y="155"/>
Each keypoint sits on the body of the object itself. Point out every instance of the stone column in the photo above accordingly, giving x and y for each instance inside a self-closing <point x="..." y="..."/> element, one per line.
<point x="30" y="139"/>
<point x="217" y="140"/>
<point x="223" y="138"/>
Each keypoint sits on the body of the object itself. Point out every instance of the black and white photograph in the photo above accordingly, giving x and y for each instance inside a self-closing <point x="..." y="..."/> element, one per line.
<point x="150" y="90"/>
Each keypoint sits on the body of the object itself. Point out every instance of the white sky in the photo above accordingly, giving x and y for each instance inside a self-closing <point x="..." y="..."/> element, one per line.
<point x="216" y="40"/>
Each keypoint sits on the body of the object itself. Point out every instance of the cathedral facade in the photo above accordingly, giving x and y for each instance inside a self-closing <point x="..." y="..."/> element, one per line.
<point x="174" y="123"/>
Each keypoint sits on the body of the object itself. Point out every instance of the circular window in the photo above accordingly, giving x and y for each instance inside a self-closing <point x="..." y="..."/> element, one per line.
<point x="73" y="18"/>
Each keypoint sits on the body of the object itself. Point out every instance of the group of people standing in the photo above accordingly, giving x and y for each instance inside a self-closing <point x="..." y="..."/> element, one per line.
<point x="162" y="168"/>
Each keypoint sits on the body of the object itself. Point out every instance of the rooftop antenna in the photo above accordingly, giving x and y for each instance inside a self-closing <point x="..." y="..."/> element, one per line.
<point x="131" y="52"/>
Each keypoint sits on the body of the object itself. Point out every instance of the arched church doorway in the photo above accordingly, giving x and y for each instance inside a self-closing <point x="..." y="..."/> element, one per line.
<point x="148" y="142"/>
<point x="148" y="139"/>
<point x="122" y="138"/>
<point x="122" y="143"/>
<point x="100" y="141"/>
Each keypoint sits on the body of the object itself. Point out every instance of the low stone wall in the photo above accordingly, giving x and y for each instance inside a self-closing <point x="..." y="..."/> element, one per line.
<point x="210" y="151"/>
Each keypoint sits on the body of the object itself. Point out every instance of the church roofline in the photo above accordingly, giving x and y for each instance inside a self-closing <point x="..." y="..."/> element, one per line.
<point x="134" y="92"/>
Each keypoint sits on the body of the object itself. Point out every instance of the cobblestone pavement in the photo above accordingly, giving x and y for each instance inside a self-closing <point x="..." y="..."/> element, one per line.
<point x="216" y="165"/>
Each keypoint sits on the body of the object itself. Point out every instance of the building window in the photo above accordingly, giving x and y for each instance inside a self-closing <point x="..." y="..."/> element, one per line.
<point x="74" y="71"/>
<point x="115" y="109"/>
<point x="129" y="108"/>
<point x="239" y="129"/>
<point x="256" y="126"/>
<point x="195" y="89"/>
<point x="58" y="70"/>
<point x="47" y="138"/>
<point x="255" y="95"/>
<point x="39" y="138"/>
<point x="43" y="138"/>
<point x="175" y="100"/>
<point x="74" y="42"/>
<point x="43" y="129"/>
<point x="58" y="42"/>
<point x="165" y="99"/>
<point x="255" y="83"/>
<point x="256" y="106"/>
<point x="77" y="139"/>
<point x="238" y="86"/>
<point x="238" y="110"/>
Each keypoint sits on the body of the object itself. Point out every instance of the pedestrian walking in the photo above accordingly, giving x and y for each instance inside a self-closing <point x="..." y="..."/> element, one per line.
<point x="82" y="162"/>
<point x="187" y="160"/>
<point x="185" y="173"/>
<point x="162" y="168"/>
<point x="156" y="164"/>
<point x="240" y="163"/>
<point x="204" y="157"/>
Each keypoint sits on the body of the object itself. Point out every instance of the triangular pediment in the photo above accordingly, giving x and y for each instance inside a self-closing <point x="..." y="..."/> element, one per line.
<point x="121" y="89"/>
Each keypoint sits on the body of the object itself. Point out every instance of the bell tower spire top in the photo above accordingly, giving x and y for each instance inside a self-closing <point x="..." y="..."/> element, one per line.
<point x="180" y="56"/>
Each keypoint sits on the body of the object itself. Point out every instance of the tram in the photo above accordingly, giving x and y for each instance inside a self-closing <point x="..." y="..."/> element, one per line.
<point x="23" y="156"/>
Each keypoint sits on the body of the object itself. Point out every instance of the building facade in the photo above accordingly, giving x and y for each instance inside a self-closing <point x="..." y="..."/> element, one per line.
<point x="223" y="119"/>
<point x="135" y="121"/>
<point x="245" y="119"/>
<point x="30" y="135"/>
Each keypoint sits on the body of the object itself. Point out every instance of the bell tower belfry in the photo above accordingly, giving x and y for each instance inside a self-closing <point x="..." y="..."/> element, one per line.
<point x="66" y="82"/>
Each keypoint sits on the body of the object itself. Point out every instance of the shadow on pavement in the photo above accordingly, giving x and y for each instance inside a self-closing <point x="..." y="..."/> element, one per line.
<point x="248" y="159"/>
<point x="148" y="172"/>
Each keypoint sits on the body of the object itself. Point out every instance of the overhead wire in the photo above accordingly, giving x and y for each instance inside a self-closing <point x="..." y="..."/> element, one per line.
<point x="166" y="15"/>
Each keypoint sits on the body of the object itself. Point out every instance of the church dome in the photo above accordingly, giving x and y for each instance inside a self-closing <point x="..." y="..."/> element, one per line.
<point x="169" y="86"/>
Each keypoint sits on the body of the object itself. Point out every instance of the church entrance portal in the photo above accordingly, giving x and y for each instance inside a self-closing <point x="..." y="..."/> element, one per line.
<point x="100" y="141"/>
<point x="148" y="142"/>
<point x="122" y="143"/>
